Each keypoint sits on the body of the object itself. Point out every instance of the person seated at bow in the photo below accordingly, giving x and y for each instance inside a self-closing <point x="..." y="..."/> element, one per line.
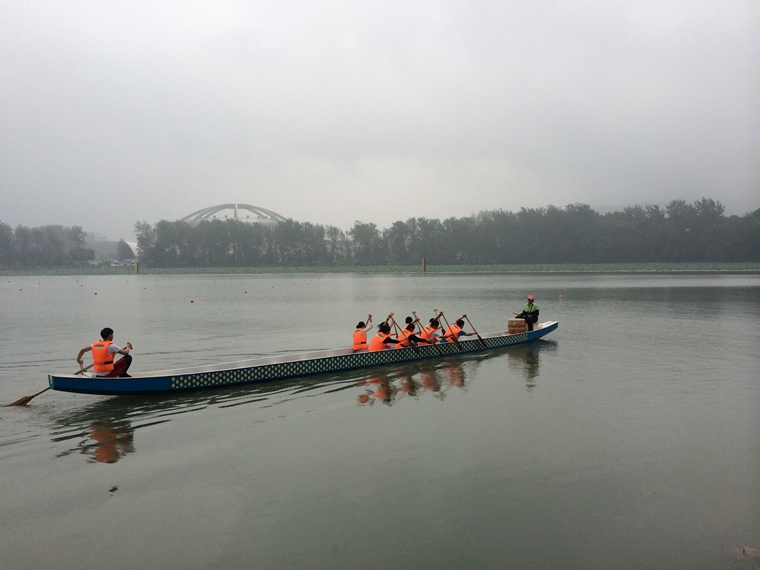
<point x="529" y="312"/>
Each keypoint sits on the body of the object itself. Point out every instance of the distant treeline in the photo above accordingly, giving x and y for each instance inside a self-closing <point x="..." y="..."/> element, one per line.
<point x="45" y="246"/>
<point x="681" y="232"/>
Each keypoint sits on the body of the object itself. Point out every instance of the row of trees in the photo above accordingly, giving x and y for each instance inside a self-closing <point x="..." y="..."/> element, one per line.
<point x="45" y="246"/>
<point x="681" y="232"/>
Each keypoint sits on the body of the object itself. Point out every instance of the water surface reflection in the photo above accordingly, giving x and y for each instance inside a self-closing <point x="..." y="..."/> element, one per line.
<point x="527" y="359"/>
<point x="104" y="431"/>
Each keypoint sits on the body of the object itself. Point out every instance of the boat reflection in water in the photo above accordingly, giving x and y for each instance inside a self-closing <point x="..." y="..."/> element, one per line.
<point x="527" y="359"/>
<point x="427" y="379"/>
<point x="437" y="378"/>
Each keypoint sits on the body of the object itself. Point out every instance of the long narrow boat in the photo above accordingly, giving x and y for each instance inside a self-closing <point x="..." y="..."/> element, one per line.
<point x="285" y="366"/>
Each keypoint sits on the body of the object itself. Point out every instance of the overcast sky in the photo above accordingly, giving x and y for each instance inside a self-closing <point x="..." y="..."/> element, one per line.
<point x="331" y="111"/>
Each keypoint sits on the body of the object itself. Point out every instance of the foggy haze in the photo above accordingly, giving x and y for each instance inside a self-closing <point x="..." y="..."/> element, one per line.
<point x="331" y="112"/>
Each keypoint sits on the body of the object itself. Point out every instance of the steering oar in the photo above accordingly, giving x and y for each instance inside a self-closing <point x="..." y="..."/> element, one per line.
<point x="26" y="399"/>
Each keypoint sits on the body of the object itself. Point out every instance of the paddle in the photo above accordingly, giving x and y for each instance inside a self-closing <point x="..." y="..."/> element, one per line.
<point x="419" y="326"/>
<point x="448" y="326"/>
<point x="26" y="399"/>
<point x="398" y="334"/>
<point x="476" y="332"/>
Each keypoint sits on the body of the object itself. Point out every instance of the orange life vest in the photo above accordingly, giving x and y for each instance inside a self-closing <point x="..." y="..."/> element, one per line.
<point x="377" y="342"/>
<point x="454" y="331"/>
<point x="404" y="337"/>
<point x="103" y="361"/>
<point x="427" y="334"/>
<point x="360" y="340"/>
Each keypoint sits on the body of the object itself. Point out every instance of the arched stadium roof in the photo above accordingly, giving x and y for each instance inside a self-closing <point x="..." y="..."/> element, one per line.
<point x="261" y="215"/>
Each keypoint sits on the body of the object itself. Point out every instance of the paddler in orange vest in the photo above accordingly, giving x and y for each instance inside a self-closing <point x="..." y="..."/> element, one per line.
<point x="382" y="339"/>
<point x="455" y="331"/>
<point x="360" y="334"/>
<point x="406" y="335"/>
<point x="430" y="332"/>
<point x="103" y="353"/>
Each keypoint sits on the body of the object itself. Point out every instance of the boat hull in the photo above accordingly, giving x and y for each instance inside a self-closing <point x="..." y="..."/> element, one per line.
<point x="276" y="368"/>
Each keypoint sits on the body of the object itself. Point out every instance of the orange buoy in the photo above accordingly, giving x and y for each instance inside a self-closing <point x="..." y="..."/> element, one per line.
<point x="192" y="301"/>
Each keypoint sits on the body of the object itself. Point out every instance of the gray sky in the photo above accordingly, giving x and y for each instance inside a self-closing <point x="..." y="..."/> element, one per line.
<point x="331" y="111"/>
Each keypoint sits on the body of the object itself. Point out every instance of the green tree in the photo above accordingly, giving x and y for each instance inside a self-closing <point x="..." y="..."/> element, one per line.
<point x="7" y="250"/>
<point x="369" y="247"/>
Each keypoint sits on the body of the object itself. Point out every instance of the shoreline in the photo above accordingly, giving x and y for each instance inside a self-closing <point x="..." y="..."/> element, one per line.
<point x="699" y="268"/>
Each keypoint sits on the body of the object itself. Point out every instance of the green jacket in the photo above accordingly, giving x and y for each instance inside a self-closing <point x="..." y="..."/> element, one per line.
<point x="530" y="308"/>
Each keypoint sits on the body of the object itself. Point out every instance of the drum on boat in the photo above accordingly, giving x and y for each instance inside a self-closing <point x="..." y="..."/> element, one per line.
<point x="517" y="326"/>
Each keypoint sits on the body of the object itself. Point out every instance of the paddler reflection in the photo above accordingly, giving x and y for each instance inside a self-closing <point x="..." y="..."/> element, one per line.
<point x="526" y="359"/>
<point x="112" y="440"/>
<point x="409" y="387"/>
<point x="454" y="376"/>
<point x="377" y="388"/>
<point x="431" y="381"/>
<point x="389" y="388"/>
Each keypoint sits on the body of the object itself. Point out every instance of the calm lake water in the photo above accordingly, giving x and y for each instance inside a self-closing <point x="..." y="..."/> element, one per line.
<point x="629" y="438"/>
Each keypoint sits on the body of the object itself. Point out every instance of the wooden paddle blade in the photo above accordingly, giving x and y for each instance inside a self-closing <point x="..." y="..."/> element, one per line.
<point x="26" y="399"/>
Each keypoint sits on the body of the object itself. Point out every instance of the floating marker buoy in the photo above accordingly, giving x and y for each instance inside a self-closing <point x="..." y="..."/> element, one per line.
<point x="246" y="292"/>
<point x="96" y="293"/>
<point x="560" y="296"/>
<point x="192" y="301"/>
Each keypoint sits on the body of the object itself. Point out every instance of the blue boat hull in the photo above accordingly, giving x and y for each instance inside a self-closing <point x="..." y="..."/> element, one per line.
<point x="275" y="368"/>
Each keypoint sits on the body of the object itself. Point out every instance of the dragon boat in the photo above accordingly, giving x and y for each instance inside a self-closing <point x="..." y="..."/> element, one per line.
<point x="284" y="366"/>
